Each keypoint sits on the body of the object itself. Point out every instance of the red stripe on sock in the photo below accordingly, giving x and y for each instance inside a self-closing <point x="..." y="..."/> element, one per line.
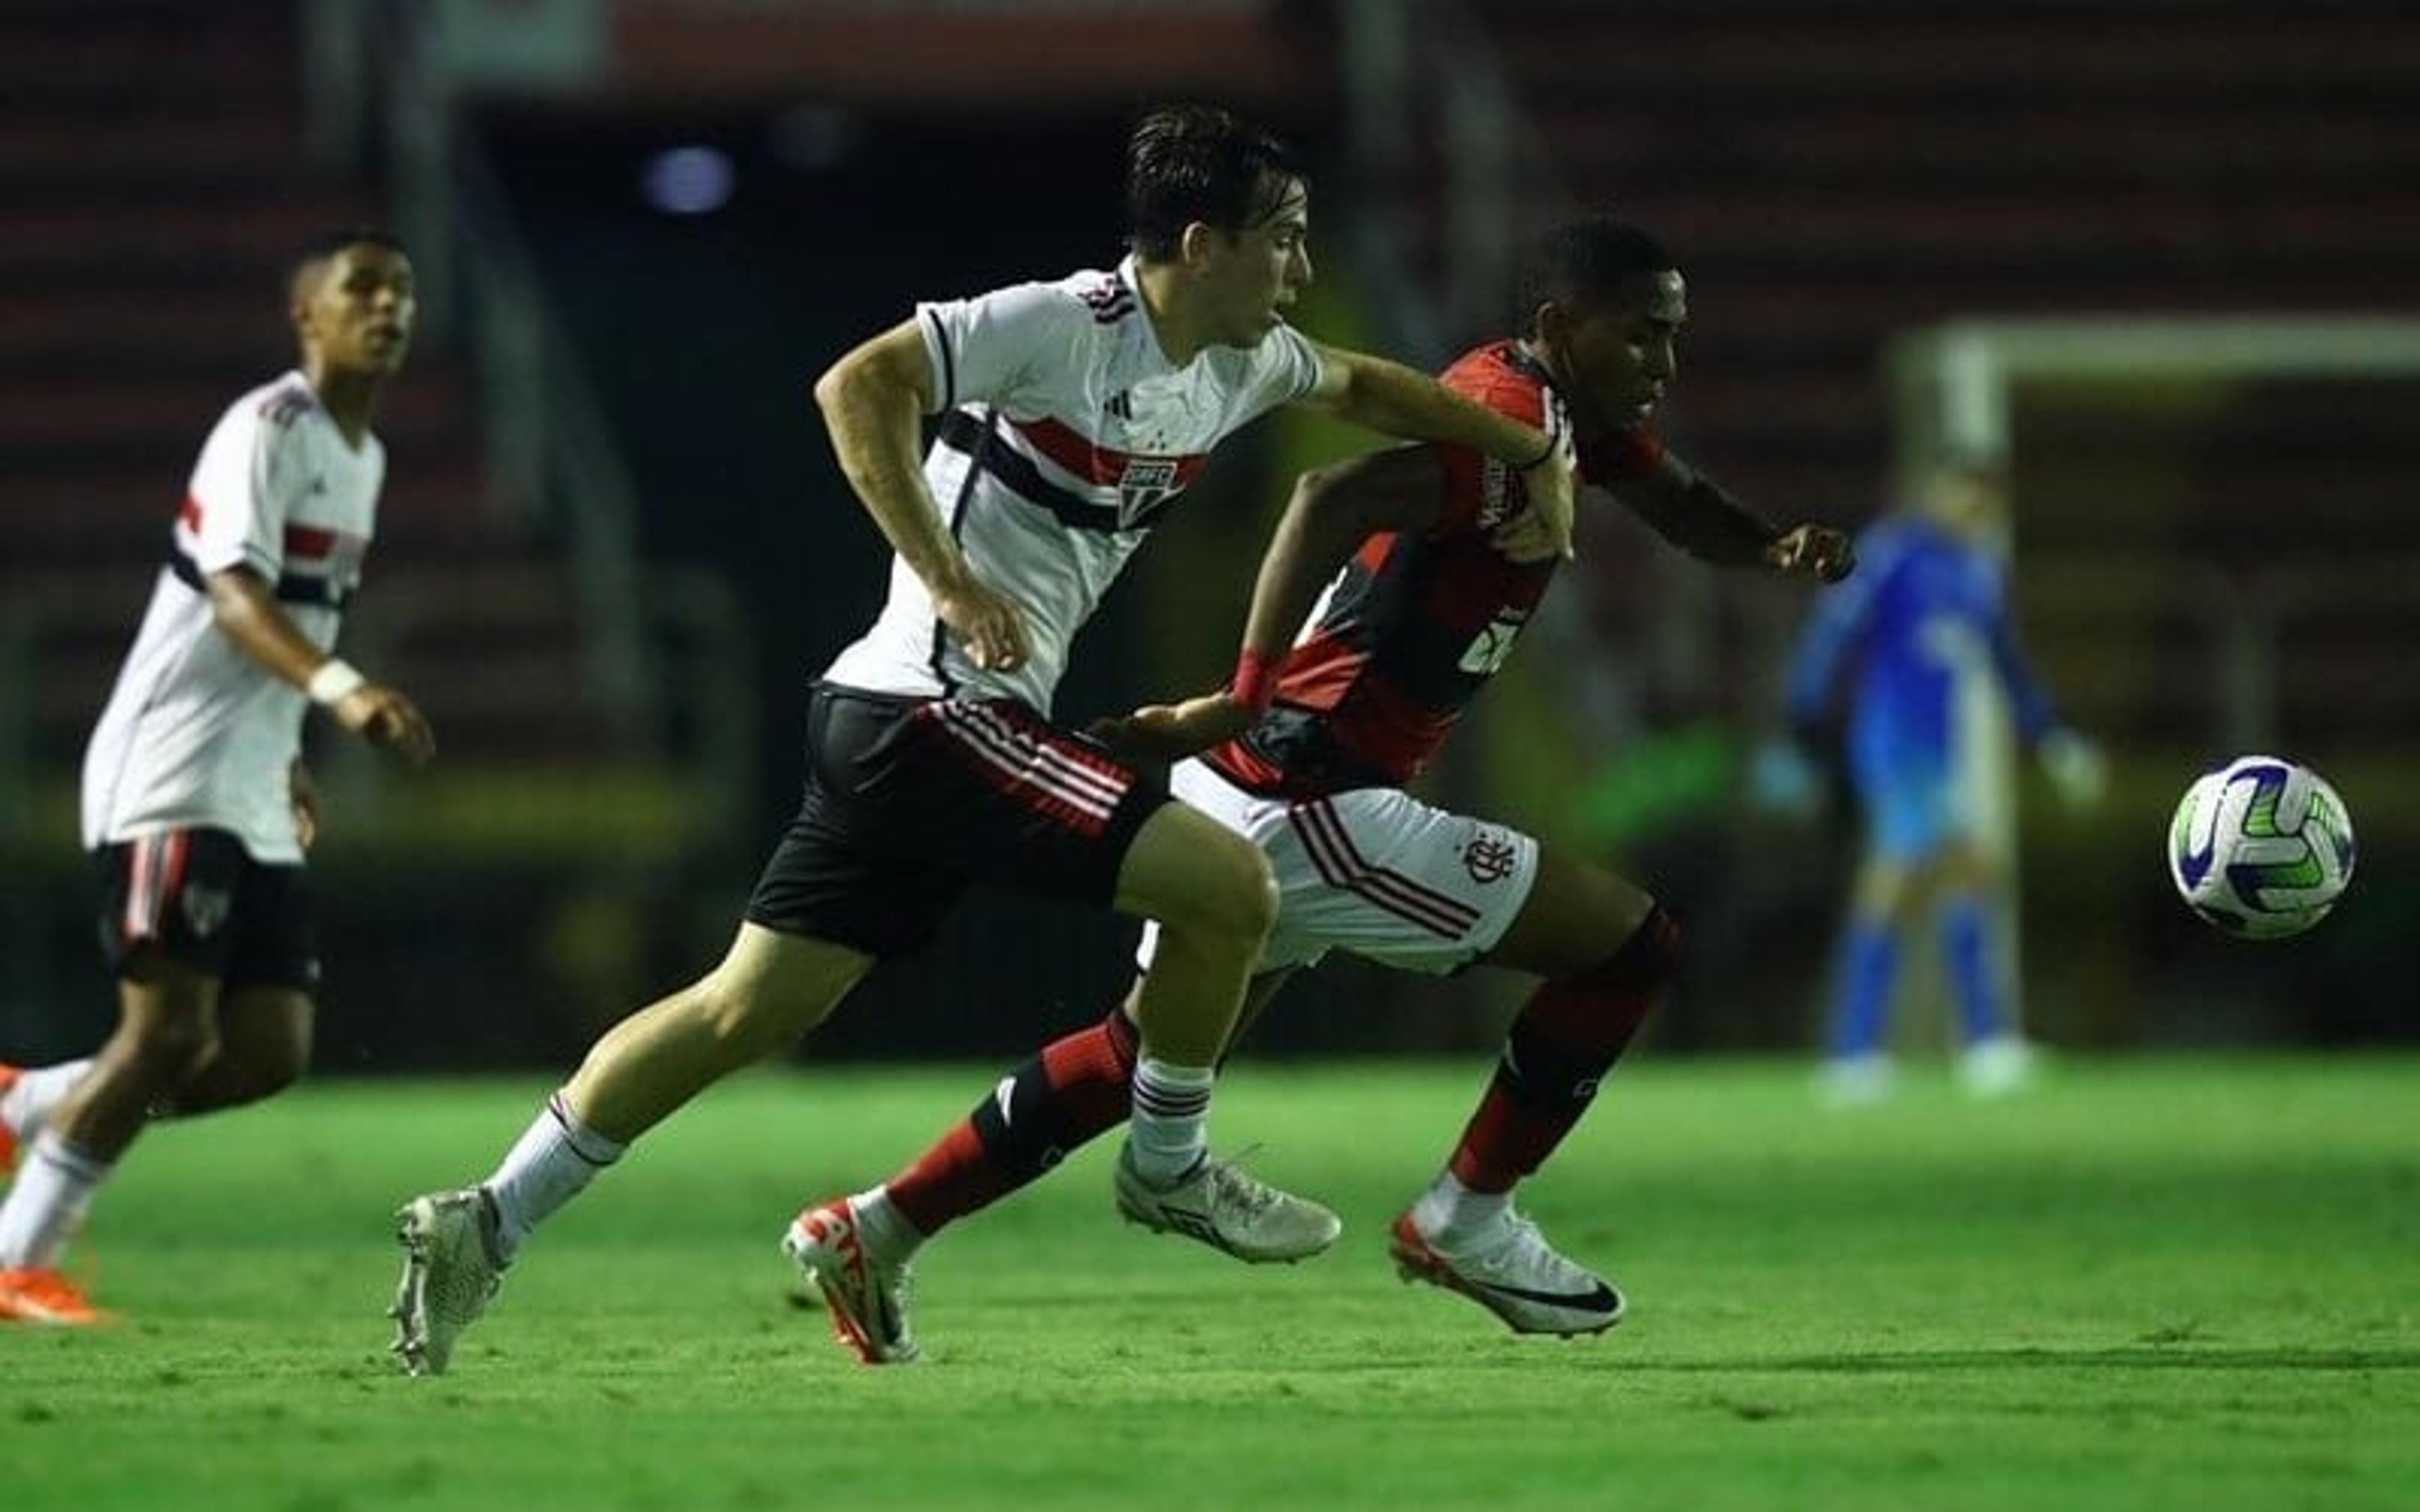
<point x="1087" y="1077"/>
<point x="1092" y="1074"/>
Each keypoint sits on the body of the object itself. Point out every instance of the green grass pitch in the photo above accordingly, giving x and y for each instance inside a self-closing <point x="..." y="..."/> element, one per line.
<point x="2152" y="1284"/>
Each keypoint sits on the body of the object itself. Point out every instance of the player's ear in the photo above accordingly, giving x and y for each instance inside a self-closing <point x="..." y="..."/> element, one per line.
<point x="1196" y="245"/>
<point x="299" y="290"/>
<point x="1550" y="323"/>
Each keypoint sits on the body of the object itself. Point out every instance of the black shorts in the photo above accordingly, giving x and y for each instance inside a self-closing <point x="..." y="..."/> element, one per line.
<point x="199" y="897"/>
<point x="908" y="801"/>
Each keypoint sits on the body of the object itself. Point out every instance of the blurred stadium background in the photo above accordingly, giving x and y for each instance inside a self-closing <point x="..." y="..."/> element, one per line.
<point x="613" y="547"/>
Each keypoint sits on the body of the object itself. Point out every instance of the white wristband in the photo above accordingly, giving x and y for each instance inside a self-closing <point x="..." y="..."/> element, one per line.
<point x="334" y="682"/>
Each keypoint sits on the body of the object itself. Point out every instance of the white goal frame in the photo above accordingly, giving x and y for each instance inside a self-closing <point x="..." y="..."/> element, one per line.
<point x="1954" y="384"/>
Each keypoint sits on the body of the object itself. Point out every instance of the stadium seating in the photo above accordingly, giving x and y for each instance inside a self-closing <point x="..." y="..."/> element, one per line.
<point x="1833" y="175"/>
<point x="152" y="158"/>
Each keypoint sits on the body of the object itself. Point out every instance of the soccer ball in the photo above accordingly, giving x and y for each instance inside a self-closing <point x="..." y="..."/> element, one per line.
<point x="2261" y="847"/>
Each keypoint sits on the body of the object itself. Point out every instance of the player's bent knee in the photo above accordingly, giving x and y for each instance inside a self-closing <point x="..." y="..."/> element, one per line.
<point x="170" y="1048"/>
<point x="1259" y="897"/>
<point x="757" y="1017"/>
<point x="278" y="1067"/>
<point x="1643" y="961"/>
<point x="748" y="1022"/>
<point x="1237" y="896"/>
<point x="1200" y="879"/>
<point x="269" y="1080"/>
<point x="772" y="988"/>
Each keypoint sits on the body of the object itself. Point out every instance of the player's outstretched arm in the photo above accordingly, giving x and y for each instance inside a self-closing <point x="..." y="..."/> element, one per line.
<point x="1700" y="515"/>
<point x="1393" y="399"/>
<point x="1332" y="511"/>
<point x="874" y="400"/>
<point x="246" y="611"/>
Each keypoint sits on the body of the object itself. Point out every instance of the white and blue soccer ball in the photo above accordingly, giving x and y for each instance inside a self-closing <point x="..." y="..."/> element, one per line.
<point x="2261" y="847"/>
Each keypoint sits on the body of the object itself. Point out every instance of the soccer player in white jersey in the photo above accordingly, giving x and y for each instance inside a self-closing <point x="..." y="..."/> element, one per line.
<point x="1072" y="416"/>
<point x="196" y="805"/>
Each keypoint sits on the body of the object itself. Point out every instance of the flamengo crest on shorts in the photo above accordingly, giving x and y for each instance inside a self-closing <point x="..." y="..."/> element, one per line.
<point x="1374" y="871"/>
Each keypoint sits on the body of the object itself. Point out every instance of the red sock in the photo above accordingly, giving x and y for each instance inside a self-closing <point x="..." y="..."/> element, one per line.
<point x="1564" y="1041"/>
<point x="1074" y="1090"/>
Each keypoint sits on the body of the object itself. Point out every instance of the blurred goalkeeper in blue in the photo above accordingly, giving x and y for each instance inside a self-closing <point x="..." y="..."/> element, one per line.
<point x="1886" y="661"/>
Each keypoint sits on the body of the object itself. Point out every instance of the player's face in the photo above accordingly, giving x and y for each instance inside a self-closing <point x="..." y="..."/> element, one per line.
<point x="1966" y="500"/>
<point x="1254" y="275"/>
<point x="1616" y="360"/>
<point x="358" y="312"/>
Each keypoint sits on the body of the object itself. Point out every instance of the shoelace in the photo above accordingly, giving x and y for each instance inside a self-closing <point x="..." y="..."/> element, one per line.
<point x="1245" y="1191"/>
<point x="462" y="1289"/>
<point x="1520" y="1240"/>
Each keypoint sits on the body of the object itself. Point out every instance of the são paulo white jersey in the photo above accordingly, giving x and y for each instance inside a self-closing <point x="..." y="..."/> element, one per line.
<point x="196" y="734"/>
<point x="1065" y="436"/>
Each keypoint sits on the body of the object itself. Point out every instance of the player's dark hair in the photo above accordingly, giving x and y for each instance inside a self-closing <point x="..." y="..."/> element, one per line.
<point x="326" y="244"/>
<point x="1199" y="162"/>
<point x="1586" y="262"/>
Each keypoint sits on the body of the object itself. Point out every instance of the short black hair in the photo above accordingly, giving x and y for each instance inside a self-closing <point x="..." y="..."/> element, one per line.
<point x="1200" y="163"/>
<point x="1586" y="262"/>
<point x="326" y="244"/>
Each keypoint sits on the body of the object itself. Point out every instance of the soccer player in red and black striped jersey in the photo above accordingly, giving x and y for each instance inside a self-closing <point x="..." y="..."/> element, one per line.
<point x="196" y="807"/>
<point x="1385" y="603"/>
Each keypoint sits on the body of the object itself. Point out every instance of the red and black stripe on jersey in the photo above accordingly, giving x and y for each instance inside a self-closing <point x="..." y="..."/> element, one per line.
<point x="1110" y="299"/>
<point x="306" y="547"/>
<point x="1146" y="485"/>
<point x="1416" y="623"/>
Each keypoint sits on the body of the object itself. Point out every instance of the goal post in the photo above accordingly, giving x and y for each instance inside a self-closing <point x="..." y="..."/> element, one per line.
<point x="1955" y="385"/>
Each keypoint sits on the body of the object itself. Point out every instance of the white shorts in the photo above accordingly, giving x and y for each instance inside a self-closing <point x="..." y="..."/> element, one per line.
<point x="1375" y="871"/>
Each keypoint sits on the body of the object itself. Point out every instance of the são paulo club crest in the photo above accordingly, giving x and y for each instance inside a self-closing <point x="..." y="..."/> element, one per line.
<point x="1142" y="487"/>
<point x="206" y="908"/>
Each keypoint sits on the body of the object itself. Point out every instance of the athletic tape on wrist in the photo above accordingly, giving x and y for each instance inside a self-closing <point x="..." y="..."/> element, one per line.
<point x="334" y="682"/>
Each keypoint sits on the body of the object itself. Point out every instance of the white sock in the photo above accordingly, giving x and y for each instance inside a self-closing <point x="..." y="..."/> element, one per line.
<point x="553" y="1162"/>
<point x="889" y="1238"/>
<point x="53" y="1187"/>
<point x="28" y="1105"/>
<point x="1448" y="1210"/>
<point x="1171" y="1132"/>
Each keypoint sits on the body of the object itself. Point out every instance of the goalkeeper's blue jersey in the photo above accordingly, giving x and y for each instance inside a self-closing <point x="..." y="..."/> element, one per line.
<point x="1924" y="612"/>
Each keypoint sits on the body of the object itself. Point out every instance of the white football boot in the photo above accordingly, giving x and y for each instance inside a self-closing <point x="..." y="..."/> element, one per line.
<point x="1218" y="1204"/>
<point x="449" y="1276"/>
<point x="868" y="1301"/>
<point x="1510" y="1270"/>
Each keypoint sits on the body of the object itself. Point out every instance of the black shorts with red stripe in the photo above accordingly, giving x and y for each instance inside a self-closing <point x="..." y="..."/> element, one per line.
<point x="909" y="801"/>
<point x="199" y="897"/>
